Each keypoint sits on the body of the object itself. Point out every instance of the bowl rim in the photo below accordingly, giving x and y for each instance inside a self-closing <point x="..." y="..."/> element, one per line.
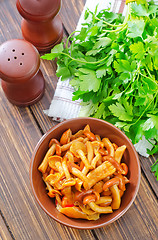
<point x="92" y="226"/>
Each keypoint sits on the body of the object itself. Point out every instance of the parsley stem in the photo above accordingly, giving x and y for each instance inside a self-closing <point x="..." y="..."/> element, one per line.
<point x="134" y="76"/>
<point x="148" y="77"/>
<point x="148" y="72"/>
<point x="112" y="25"/>
<point x="67" y="42"/>
<point x="122" y="26"/>
<point x="156" y="160"/>
<point x="77" y="60"/>
<point x="118" y="29"/>
<point x="119" y="25"/>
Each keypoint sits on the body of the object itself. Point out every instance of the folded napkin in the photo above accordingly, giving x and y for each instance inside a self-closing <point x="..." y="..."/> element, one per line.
<point x="62" y="107"/>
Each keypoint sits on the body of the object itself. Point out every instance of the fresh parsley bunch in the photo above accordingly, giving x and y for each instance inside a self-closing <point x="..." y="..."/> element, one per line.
<point x="113" y="66"/>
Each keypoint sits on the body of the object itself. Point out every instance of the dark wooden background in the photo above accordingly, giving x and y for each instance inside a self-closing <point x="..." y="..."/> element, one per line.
<point x="21" y="129"/>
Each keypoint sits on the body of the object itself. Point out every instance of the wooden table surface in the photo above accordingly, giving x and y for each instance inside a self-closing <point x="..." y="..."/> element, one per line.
<point x="20" y="130"/>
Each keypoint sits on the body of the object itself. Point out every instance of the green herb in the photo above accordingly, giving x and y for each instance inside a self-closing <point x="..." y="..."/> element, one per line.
<point x="113" y="66"/>
<point x="154" y="168"/>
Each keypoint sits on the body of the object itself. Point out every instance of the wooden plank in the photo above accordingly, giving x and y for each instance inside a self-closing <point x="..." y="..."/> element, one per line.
<point x="19" y="135"/>
<point x="4" y="232"/>
<point x="10" y="21"/>
<point x="146" y="164"/>
<point x="70" y="13"/>
<point x="48" y="70"/>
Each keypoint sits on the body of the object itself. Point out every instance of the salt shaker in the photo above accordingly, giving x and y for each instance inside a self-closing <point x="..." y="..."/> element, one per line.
<point x="22" y="80"/>
<point x="41" y="24"/>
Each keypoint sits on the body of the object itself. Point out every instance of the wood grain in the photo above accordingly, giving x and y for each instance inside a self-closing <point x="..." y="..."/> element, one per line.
<point x="70" y="13"/>
<point x="24" y="216"/>
<point x="4" y="232"/>
<point x="21" y="128"/>
<point x="146" y="164"/>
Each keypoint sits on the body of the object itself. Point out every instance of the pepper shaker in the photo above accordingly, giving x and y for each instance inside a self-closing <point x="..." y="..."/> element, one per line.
<point x="41" y="24"/>
<point x="22" y="81"/>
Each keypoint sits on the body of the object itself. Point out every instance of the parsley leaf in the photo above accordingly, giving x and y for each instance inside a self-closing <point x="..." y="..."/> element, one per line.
<point x="119" y="111"/>
<point x="122" y="66"/>
<point x="138" y="50"/>
<point x="102" y="42"/>
<point x="100" y="72"/>
<point x="140" y="10"/>
<point x="136" y="28"/>
<point x="63" y="71"/>
<point x="89" y="80"/>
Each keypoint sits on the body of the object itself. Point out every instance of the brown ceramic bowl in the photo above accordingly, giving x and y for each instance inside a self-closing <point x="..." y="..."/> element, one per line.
<point x="104" y="129"/>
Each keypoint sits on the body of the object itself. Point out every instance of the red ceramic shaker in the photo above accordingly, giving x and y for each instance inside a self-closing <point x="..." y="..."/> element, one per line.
<point x="22" y="81"/>
<point x="41" y="24"/>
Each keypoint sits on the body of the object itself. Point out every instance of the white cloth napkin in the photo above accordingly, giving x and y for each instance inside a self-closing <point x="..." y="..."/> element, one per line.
<point x="62" y="107"/>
